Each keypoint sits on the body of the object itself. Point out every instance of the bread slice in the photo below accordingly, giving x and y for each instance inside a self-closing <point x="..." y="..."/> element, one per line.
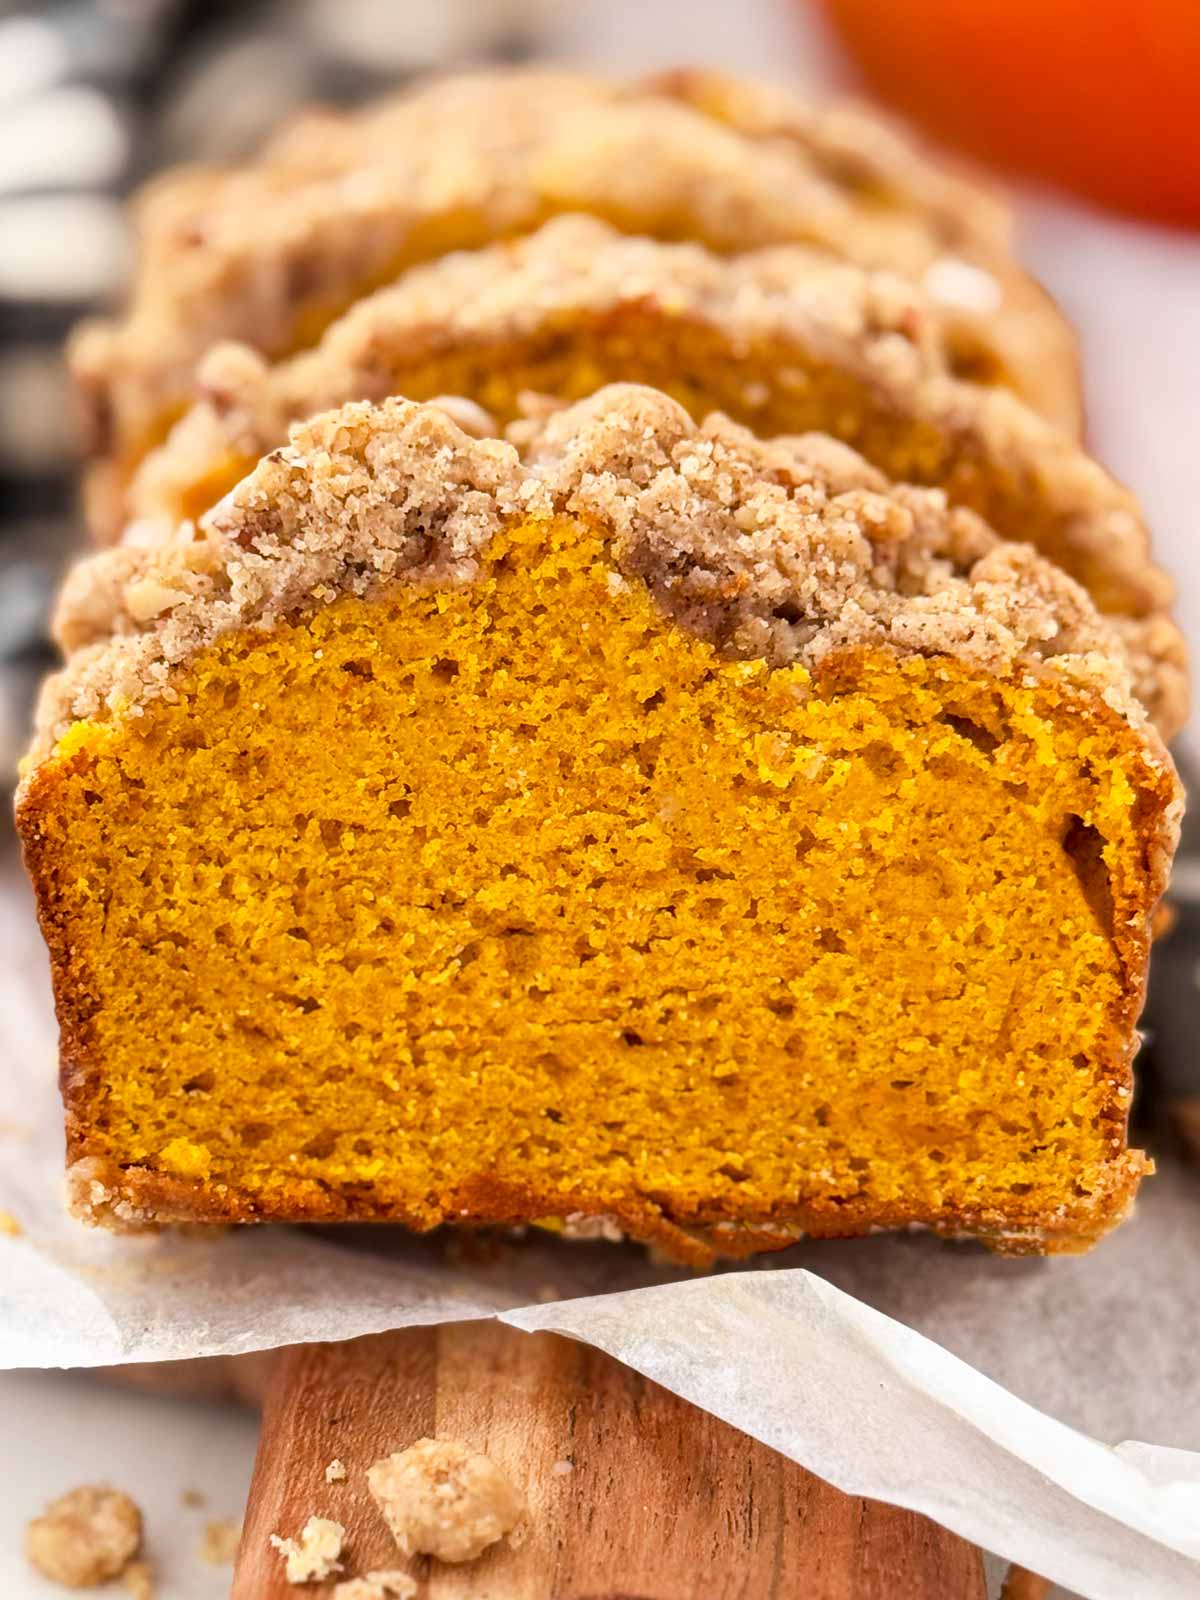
<point x="868" y="157"/>
<point x="787" y="340"/>
<point x="657" y="829"/>
<point x="270" y="253"/>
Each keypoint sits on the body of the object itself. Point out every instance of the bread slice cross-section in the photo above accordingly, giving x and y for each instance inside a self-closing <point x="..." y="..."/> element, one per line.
<point x="650" y="824"/>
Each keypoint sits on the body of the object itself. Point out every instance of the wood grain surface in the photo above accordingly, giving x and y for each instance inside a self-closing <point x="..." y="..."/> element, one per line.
<point x="662" y="1502"/>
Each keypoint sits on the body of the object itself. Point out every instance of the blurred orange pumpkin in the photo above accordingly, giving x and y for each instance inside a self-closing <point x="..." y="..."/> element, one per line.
<point x="1102" y="96"/>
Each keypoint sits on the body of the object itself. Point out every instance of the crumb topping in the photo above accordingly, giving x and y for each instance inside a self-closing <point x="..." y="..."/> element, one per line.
<point x="337" y="204"/>
<point x="441" y="1498"/>
<point x="784" y="550"/>
<point x="315" y="1555"/>
<point x="814" y="313"/>
<point x="85" y="1537"/>
<point x="873" y="323"/>
<point x="989" y="303"/>
<point x="857" y="148"/>
<point x="335" y="1472"/>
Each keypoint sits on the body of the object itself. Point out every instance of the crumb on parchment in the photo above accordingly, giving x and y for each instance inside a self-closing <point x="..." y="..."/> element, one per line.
<point x="193" y="1499"/>
<point x="9" y="1226"/>
<point x="314" y="1556"/>
<point x="219" y="1541"/>
<point x="85" y="1537"/>
<point x="390" y="1585"/>
<point x="335" y="1472"/>
<point x="441" y="1498"/>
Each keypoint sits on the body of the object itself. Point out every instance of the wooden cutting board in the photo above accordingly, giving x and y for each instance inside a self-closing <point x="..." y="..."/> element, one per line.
<point x="662" y="1501"/>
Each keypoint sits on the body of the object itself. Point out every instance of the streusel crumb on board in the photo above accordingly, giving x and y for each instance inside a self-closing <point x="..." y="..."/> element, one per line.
<point x="316" y="1554"/>
<point x="219" y="1541"/>
<point x="139" y="1581"/>
<point x="441" y="1498"/>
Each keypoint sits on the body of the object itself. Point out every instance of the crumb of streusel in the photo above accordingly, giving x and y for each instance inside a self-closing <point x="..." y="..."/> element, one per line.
<point x="139" y="1580"/>
<point x="314" y="1556"/>
<point x="219" y="1541"/>
<point x="390" y="1585"/>
<point x="9" y="1226"/>
<point x="335" y="1472"/>
<point x="441" y="1498"/>
<point x="193" y="1499"/>
<point x="85" y="1537"/>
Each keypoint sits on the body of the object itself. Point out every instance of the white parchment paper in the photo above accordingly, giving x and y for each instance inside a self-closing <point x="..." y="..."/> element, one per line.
<point x="865" y="1360"/>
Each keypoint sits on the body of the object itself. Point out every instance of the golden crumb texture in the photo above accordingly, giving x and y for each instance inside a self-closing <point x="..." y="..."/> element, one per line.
<point x="85" y="1537"/>
<point x="634" y="826"/>
<point x="441" y="1498"/>
<point x="313" y="1556"/>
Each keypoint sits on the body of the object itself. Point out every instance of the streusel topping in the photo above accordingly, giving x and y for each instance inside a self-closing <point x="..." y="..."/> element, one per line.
<point x="812" y="312"/>
<point x="337" y="205"/>
<point x="785" y="550"/>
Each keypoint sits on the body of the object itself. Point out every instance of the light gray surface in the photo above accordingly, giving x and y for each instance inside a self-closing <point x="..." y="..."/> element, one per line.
<point x="63" y="1429"/>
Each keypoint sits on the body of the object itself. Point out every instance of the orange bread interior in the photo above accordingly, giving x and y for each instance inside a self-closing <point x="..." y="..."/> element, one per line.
<point x="515" y="900"/>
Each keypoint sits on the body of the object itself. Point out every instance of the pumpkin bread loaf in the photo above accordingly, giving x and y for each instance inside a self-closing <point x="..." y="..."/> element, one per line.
<point x="337" y="205"/>
<point x="644" y="822"/>
<point x="786" y="340"/>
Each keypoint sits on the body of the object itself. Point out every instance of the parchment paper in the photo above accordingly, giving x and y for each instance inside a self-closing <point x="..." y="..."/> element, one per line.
<point x="850" y="1357"/>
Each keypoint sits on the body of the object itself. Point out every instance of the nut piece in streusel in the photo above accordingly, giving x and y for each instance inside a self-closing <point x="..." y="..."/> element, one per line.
<point x="441" y="1498"/>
